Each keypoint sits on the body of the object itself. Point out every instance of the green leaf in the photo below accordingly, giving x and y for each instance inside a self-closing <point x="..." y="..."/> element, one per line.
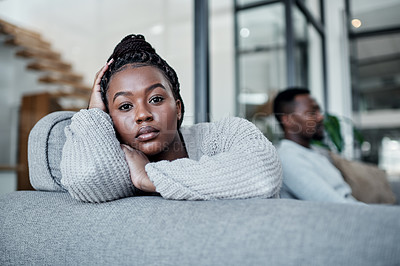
<point x="332" y="128"/>
<point x="358" y="136"/>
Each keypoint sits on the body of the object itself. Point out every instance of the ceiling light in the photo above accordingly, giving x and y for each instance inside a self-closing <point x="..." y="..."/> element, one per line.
<point x="356" y="23"/>
<point x="244" y="32"/>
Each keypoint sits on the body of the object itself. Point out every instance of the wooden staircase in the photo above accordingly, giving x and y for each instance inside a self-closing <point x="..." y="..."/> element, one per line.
<point x="53" y="70"/>
<point x="43" y="59"/>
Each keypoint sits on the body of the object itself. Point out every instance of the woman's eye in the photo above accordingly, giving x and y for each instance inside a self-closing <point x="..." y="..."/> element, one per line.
<point x="156" y="99"/>
<point x="125" y="107"/>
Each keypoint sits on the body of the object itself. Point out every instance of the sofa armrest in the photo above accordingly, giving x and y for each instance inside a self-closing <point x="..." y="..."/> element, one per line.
<point x="45" y="144"/>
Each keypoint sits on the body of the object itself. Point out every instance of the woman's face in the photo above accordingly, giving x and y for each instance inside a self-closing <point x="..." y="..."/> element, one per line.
<point x="143" y="109"/>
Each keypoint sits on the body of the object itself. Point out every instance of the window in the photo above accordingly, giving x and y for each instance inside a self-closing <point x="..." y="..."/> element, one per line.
<point x="278" y="44"/>
<point x="374" y="28"/>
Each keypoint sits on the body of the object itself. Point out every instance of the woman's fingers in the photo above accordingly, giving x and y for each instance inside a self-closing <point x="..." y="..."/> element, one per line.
<point x="95" y="98"/>
<point x="126" y="147"/>
<point x="101" y="72"/>
<point x="136" y="162"/>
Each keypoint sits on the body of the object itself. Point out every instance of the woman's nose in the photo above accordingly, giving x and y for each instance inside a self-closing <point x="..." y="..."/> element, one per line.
<point x="143" y="114"/>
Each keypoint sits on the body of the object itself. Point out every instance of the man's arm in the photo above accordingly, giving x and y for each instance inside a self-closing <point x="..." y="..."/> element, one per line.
<point x="305" y="183"/>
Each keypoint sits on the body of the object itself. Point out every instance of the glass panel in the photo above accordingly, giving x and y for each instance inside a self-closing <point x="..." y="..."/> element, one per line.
<point x="308" y="56"/>
<point x="261" y="28"/>
<point x="301" y="43"/>
<point x="261" y="62"/>
<point x="382" y="147"/>
<point x="260" y="73"/>
<point x="372" y="15"/>
<point x="315" y="65"/>
<point x="375" y="65"/>
<point x="314" y="6"/>
<point x="376" y="73"/>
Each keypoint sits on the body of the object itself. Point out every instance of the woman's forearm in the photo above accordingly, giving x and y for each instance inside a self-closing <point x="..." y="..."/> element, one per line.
<point x="93" y="165"/>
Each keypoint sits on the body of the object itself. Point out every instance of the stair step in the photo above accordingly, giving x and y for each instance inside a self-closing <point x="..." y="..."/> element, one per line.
<point x="78" y="95"/>
<point x="56" y="72"/>
<point x="62" y="75"/>
<point x="10" y="29"/>
<point x="67" y="76"/>
<point x="64" y="81"/>
<point x="38" y="53"/>
<point x="27" y="42"/>
<point x="83" y="90"/>
<point x="45" y="64"/>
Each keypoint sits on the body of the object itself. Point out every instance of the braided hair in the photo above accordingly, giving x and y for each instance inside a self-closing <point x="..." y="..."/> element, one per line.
<point x="135" y="51"/>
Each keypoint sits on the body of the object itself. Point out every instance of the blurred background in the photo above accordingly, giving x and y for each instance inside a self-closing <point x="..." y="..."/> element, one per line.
<point x="347" y="52"/>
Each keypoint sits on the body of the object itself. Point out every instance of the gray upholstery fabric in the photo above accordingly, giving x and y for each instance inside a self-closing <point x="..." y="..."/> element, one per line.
<point x="50" y="228"/>
<point x="46" y="141"/>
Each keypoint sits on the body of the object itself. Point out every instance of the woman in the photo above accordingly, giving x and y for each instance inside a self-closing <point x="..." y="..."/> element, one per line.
<point x="130" y="141"/>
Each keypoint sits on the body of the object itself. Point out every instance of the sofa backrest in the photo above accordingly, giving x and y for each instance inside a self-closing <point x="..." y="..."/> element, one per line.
<point x="45" y="144"/>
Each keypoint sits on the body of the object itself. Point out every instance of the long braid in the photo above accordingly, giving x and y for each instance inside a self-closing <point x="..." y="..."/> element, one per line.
<point x="135" y="50"/>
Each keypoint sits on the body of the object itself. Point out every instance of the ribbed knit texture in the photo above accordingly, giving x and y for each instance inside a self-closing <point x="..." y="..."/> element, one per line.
<point x="93" y="165"/>
<point x="229" y="159"/>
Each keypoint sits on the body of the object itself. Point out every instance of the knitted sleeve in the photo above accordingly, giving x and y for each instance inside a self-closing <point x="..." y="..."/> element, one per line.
<point x="238" y="162"/>
<point x="93" y="165"/>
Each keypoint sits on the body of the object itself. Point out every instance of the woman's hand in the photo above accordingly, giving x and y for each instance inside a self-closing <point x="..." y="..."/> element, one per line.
<point x="95" y="97"/>
<point x="137" y="162"/>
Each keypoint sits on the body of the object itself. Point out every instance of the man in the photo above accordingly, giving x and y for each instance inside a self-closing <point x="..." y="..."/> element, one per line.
<point x="307" y="175"/>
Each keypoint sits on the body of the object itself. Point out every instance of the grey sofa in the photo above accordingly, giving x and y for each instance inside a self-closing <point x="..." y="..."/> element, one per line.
<point x="51" y="228"/>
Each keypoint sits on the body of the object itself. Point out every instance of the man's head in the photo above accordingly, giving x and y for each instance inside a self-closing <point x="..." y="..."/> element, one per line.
<point x="299" y="115"/>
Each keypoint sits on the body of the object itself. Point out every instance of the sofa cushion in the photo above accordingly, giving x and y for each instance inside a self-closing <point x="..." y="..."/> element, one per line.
<point x="368" y="183"/>
<point x="47" y="228"/>
<point x="45" y="144"/>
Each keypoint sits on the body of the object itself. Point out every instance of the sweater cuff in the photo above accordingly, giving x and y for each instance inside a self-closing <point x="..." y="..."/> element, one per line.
<point x="167" y="187"/>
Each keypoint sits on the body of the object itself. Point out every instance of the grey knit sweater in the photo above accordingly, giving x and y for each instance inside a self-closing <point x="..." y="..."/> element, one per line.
<point x="229" y="159"/>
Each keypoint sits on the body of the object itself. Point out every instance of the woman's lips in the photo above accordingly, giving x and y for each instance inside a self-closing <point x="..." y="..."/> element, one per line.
<point x="147" y="133"/>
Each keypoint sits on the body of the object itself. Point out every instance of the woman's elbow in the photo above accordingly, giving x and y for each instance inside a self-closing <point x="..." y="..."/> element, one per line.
<point x="80" y="185"/>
